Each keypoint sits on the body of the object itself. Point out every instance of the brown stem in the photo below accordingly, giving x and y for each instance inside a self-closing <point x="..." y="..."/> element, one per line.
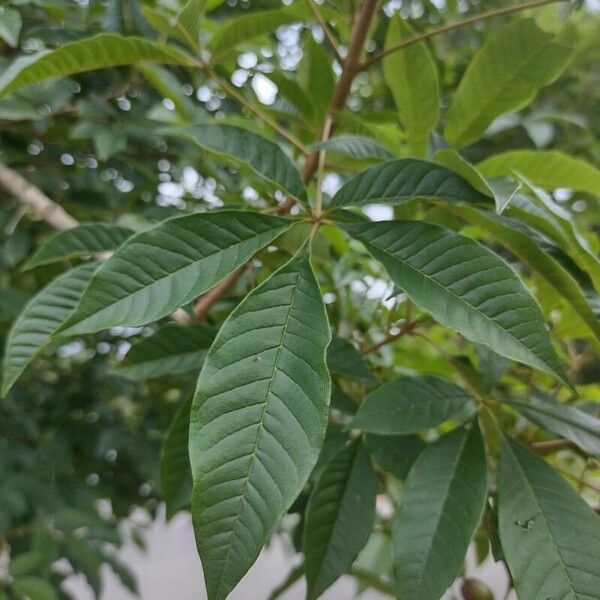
<point x="452" y="26"/>
<point x="551" y="446"/>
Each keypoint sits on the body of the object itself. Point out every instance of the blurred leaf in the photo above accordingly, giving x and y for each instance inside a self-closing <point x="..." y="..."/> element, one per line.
<point x="10" y="26"/>
<point x="35" y="588"/>
<point x="345" y="360"/>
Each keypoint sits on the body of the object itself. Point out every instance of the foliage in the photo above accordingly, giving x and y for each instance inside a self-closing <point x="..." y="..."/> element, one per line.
<point x="444" y="359"/>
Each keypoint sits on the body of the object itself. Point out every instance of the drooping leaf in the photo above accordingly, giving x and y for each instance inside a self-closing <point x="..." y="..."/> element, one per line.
<point x="550" y="537"/>
<point x="84" y="240"/>
<point x="401" y="180"/>
<point x="411" y="76"/>
<point x="10" y="26"/>
<point x="40" y="319"/>
<point x="548" y="168"/>
<point x="175" y="471"/>
<point x="264" y="156"/>
<point x="580" y="427"/>
<point x="537" y="258"/>
<point x="339" y="517"/>
<point x="258" y="420"/>
<point x="159" y="270"/>
<point x="441" y="506"/>
<point x="355" y="146"/>
<point x="395" y="453"/>
<point x="172" y="349"/>
<point x="410" y="404"/>
<point x="465" y="287"/>
<point x="98" y="52"/>
<point x="345" y="360"/>
<point x="504" y="75"/>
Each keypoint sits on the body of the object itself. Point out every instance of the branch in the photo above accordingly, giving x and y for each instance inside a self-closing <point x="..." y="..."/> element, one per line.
<point x="452" y="26"/>
<point x="551" y="446"/>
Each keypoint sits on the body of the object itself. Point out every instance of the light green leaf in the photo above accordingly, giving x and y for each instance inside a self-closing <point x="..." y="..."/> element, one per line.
<point x="504" y="75"/>
<point x="465" y="287"/>
<point x="537" y="258"/>
<point x="355" y="146"/>
<point x="410" y="404"/>
<point x="40" y="319"/>
<point x="247" y="27"/>
<point x="501" y="190"/>
<point x="402" y="180"/>
<point x="98" y="52"/>
<point x="170" y="350"/>
<point x="411" y="76"/>
<point x="550" y="537"/>
<point x="188" y="22"/>
<point x="10" y="26"/>
<point x="34" y="588"/>
<point x="580" y="427"/>
<point x="395" y="454"/>
<point x="548" y="168"/>
<point x="175" y="471"/>
<point x="441" y="506"/>
<point x="26" y="562"/>
<point x="317" y="77"/>
<point x="159" y="270"/>
<point x="339" y="517"/>
<point x="169" y="87"/>
<point x="345" y="360"/>
<point x="258" y="420"/>
<point x="263" y="156"/>
<point x="84" y="240"/>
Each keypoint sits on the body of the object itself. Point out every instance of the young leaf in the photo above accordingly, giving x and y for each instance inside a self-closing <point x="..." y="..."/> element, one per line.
<point x="86" y="239"/>
<point x="402" y="180"/>
<point x="345" y="360"/>
<point x="175" y="471"/>
<point x="172" y="349"/>
<point x="550" y="169"/>
<point x="411" y="76"/>
<point x="504" y="75"/>
<point x="339" y="517"/>
<point x="550" y="537"/>
<point x="98" y="52"/>
<point x="395" y="453"/>
<point x="258" y="420"/>
<point x="465" y="287"/>
<point x="159" y="270"/>
<point x="537" y="258"/>
<point x="441" y="506"/>
<point x="40" y="319"/>
<point x="410" y="404"/>
<point x="263" y="156"/>
<point x="580" y="427"/>
<point x="355" y="146"/>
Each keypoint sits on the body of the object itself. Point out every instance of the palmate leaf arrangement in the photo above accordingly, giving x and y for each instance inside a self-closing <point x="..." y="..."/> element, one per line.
<point x="265" y="431"/>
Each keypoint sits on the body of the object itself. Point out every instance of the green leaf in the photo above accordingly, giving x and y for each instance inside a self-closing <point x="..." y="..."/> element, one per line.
<point x="411" y="76"/>
<point x="290" y="90"/>
<point x="169" y="87"/>
<point x="537" y="258"/>
<point x="441" y="506"/>
<point x="575" y="425"/>
<point x="402" y="180"/>
<point x="465" y="287"/>
<point x="395" y="454"/>
<point x="550" y="536"/>
<point x="263" y="156"/>
<point x="317" y="77"/>
<point x="501" y="190"/>
<point x="410" y="404"/>
<point x="188" y="22"/>
<point x="345" y="360"/>
<point x="98" y="52"/>
<point x="159" y="270"/>
<point x="175" y="471"/>
<point x="258" y="420"/>
<point x="247" y="27"/>
<point x="171" y="349"/>
<point x="548" y="168"/>
<point x="40" y="319"/>
<point x="26" y="562"/>
<point x="84" y="240"/>
<point x="10" y="26"/>
<point x="339" y="517"/>
<point x="34" y="588"/>
<point x="504" y="75"/>
<point x="355" y="146"/>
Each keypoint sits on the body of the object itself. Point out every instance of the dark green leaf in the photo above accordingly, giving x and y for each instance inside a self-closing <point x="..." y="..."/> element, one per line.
<point x="395" y="453"/>
<point x="355" y="146"/>
<point x="345" y="360"/>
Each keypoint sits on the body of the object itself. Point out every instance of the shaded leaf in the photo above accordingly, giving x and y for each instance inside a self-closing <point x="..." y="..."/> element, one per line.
<point x="345" y="360"/>
<point x="394" y="453"/>
<point x="355" y="146"/>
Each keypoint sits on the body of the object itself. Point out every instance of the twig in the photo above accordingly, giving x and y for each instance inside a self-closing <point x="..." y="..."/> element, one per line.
<point x="551" y="446"/>
<point x="318" y="208"/>
<point x="453" y="26"/>
<point x="326" y="31"/>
